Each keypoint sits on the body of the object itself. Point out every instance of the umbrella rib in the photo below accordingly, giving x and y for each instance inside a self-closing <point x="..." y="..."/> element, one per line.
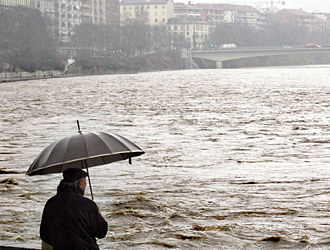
<point x="115" y="148"/>
<point x="120" y="140"/>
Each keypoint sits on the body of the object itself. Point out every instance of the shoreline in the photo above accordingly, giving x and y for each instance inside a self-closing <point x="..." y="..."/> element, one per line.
<point x="11" y="245"/>
<point x="27" y="78"/>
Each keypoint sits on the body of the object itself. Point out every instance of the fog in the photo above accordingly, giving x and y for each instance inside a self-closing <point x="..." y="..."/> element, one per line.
<point x="307" y="5"/>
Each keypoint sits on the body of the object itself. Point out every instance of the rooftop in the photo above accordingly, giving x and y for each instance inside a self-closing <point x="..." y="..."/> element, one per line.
<point x="132" y="2"/>
<point x="226" y="7"/>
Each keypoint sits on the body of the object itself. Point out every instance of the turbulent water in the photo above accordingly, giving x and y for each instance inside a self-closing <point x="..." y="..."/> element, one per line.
<point x="235" y="158"/>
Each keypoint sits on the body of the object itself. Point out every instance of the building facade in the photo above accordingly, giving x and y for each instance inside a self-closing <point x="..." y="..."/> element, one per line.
<point x="192" y="32"/>
<point x="112" y="12"/>
<point x="301" y="18"/>
<point x="25" y="3"/>
<point x="62" y="16"/>
<point x="220" y="13"/>
<point x="98" y="11"/>
<point x="86" y="11"/>
<point x="152" y="12"/>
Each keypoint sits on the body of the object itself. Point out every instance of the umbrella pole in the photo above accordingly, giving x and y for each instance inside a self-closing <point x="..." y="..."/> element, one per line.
<point x="89" y="181"/>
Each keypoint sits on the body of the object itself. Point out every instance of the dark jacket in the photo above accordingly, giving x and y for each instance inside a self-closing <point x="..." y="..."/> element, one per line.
<point x="70" y="221"/>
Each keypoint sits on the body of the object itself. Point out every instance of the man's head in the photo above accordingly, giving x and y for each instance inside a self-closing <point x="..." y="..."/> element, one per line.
<point x="75" y="177"/>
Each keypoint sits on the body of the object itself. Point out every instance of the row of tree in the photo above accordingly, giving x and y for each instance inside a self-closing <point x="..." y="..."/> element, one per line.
<point x="24" y="42"/>
<point x="273" y="34"/>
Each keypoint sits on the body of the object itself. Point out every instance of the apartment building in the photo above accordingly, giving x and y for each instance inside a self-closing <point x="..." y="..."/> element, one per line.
<point x="192" y="32"/>
<point x="188" y="11"/>
<point x="300" y="17"/>
<point x="220" y="13"/>
<point x="153" y="12"/>
<point x="61" y="16"/>
<point x="24" y="3"/>
<point x="100" y="12"/>
<point x="230" y="13"/>
<point x="86" y="11"/>
<point x="112" y="12"/>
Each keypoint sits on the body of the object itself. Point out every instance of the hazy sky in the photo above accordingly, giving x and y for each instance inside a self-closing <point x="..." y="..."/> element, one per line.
<point x="307" y="5"/>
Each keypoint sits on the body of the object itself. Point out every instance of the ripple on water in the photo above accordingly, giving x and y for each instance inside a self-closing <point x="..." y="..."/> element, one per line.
<point x="235" y="158"/>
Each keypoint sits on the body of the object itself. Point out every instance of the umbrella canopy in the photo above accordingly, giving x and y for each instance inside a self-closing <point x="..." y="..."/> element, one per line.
<point x="83" y="150"/>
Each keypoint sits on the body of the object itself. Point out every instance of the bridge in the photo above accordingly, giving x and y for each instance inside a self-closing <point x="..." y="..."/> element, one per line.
<point x="215" y="58"/>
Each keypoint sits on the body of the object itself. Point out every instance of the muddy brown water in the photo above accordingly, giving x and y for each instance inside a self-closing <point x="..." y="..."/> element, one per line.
<point x="235" y="158"/>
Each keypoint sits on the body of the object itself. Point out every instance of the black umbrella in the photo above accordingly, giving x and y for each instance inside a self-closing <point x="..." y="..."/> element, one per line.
<point x="83" y="150"/>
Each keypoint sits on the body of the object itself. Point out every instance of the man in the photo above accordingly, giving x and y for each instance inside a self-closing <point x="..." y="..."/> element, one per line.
<point x="70" y="221"/>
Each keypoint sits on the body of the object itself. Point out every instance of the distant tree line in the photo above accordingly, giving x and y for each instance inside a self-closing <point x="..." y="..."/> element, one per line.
<point x="24" y="42"/>
<point x="272" y="34"/>
<point x="104" y="44"/>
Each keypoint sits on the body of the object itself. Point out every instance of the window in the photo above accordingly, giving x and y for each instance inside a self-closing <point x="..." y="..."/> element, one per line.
<point x="163" y="20"/>
<point x="38" y="5"/>
<point x="156" y="20"/>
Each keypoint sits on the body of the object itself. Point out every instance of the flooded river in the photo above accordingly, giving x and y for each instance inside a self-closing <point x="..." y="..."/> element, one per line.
<point x="235" y="158"/>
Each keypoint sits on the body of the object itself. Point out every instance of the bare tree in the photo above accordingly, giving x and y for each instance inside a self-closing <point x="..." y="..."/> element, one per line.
<point x="24" y="40"/>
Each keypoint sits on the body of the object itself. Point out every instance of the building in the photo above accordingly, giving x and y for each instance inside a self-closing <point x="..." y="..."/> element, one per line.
<point x="112" y="12"/>
<point x="153" y="12"/>
<point x="220" y="13"/>
<point x="301" y="18"/>
<point x="192" y="32"/>
<point x="188" y="11"/>
<point x="61" y="16"/>
<point x="230" y="13"/>
<point x="47" y="8"/>
<point x="98" y="11"/>
<point x="325" y="17"/>
<point x="86" y="11"/>
<point x="24" y="3"/>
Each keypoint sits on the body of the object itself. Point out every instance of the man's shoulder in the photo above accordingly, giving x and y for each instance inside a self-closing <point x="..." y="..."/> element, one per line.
<point x="65" y="198"/>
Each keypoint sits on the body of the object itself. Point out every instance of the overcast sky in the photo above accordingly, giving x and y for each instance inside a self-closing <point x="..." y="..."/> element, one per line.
<point x="307" y="5"/>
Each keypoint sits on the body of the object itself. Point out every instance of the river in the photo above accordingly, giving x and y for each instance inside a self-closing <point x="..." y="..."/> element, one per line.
<point x="235" y="158"/>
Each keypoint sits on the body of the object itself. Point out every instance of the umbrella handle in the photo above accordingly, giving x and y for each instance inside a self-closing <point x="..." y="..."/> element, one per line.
<point x="79" y="131"/>
<point x="89" y="181"/>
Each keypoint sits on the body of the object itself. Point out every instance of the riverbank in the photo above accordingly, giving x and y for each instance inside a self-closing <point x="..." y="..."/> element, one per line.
<point x="6" y="245"/>
<point x="104" y="66"/>
<point x="63" y="75"/>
